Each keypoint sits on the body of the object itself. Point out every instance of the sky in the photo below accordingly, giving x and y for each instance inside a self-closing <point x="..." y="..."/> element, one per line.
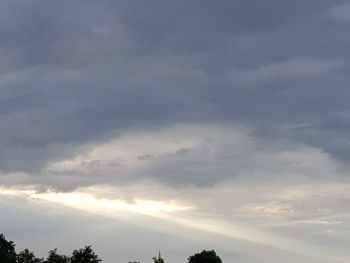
<point x="139" y="126"/>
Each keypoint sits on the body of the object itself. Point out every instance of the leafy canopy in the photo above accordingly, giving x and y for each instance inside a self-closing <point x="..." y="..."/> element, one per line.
<point x="27" y="256"/>
<point x="7" y="250"/>
<point x="84" y="255"/>
<point x="54" y="257"/>
<point x="206" y="256"/>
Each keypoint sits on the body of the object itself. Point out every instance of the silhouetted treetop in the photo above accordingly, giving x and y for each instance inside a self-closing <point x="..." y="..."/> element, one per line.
<point x="27" y="256"/>
<point x="84" y="255"/>
<point x="54" y="257"/>
<point x="158" y="259"/>
<point x="7" y="250"/>
<point x="206" y="256"/>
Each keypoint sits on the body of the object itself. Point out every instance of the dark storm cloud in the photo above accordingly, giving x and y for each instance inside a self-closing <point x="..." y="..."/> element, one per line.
<point x="76" y="72"/>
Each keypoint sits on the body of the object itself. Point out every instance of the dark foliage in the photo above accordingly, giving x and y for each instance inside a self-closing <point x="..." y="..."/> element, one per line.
<point x="158" y="259"/>
<point x="7" y="250"/>
<point x="206" y="256"/>
<point x="84" y="255"/>
<point x="54" y="257"/>
<point x="27" y="256"/>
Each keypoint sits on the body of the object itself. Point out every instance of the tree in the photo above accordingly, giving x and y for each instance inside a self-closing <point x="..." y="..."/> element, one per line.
<point x="206" y="256"/>
<point x="84" y="255"/>
<point x="7" y="250"/>
<point x="54" y="257"/>
<point x="27" y="256"/>
<point x="158" y="259"/>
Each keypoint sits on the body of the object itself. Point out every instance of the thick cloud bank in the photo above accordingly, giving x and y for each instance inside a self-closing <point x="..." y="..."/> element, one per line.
<point x="74" y="72"/>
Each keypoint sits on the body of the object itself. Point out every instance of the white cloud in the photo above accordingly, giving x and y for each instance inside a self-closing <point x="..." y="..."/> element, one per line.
<point x="192" y="154"/>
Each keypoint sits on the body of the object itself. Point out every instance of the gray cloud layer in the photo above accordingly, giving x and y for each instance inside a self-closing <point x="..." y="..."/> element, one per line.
<point x="76" y="72"/>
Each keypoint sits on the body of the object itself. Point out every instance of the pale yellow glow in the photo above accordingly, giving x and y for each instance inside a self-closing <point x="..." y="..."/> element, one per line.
<point x="88" y="202"/>
<point x="168" y="212"/>
<point x="16" y="192"/>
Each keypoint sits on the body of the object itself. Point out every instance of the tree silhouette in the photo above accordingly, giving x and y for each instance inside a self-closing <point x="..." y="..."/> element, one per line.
<point x="84" y="255"/>
<point x="158" y="259"/>
<point x="206" y="256"/>
<point x="7" y="250"/>
<point x="54" y="257"/>
<point x="27" y="256"/>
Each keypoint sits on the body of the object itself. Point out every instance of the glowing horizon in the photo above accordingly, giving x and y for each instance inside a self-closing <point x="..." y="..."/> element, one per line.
<point x="171" y="213"/>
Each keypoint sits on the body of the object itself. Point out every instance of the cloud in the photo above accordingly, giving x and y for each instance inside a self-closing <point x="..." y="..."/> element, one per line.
<point x="181" y="155"/>
<point x="75" y="73"/>
<point x="297" y="67"/>
<point x="341" y="12"/>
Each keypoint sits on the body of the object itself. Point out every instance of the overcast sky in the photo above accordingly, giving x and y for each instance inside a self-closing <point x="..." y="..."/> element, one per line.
<point x="176" y="125"/>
